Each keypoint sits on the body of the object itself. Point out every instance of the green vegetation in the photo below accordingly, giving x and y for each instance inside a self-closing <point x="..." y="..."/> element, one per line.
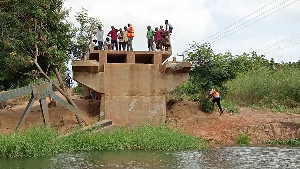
<point x="229" y="106"/>
<point x="40" y="141"/>
<point x="295" y="142"/>
<point x="243" y="80"/>
<point x="78" y="89"/>
<point x="265" y="88"/>
<point x="243" y="140"/>
<point x="34" y="38"/>
<point x="206" y="105"/>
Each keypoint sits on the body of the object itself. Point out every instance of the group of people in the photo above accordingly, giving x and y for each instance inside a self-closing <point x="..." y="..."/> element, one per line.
<point x="160" y="36"/>
<point x="120" y="39"/>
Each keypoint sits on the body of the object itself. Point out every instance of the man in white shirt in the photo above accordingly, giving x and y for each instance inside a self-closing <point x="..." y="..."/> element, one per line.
<point x="99" y="36"/>
<point x="169" y="27"/>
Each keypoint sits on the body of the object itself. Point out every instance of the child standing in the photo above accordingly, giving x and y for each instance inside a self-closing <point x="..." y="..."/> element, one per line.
<point x="121" y="39"/>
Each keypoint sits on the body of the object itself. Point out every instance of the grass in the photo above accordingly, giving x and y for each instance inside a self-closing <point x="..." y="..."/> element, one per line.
<point x="229" y="106"/>
<point x="243" y="140"/>
<point x="37" y="142"/>
<point x="277" y="90"/>
<point x="295" y="142"/>
<point x="78" y="89"/>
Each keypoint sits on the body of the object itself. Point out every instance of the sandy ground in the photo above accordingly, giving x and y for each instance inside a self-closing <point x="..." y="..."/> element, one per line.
<point x="183" y="115"/>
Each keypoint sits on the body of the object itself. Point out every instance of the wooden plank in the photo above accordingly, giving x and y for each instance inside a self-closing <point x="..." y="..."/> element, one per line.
<point x="26" y="112"/>
<point x="74" y="110"/>
<point x="45" y="112"/>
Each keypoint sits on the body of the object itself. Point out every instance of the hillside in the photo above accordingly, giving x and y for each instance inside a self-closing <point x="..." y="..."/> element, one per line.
<point x="223" y="130"/>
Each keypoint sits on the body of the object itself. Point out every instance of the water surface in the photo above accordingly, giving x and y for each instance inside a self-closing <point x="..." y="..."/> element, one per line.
<point x="226" y="157"/>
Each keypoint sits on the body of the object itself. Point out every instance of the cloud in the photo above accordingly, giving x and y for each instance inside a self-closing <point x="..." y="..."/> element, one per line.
<point x="195" y="20"/>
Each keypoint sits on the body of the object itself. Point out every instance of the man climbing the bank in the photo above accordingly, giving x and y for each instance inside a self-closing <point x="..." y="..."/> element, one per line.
<point x="215" y="95"/>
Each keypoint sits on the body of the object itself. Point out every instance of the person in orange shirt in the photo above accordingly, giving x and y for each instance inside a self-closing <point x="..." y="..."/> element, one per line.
<point x="215" y="95"/>
<point x="130" y="35"/>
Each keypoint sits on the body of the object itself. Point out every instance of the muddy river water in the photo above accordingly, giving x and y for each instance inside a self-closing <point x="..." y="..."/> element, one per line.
<point x="225" y="157"/>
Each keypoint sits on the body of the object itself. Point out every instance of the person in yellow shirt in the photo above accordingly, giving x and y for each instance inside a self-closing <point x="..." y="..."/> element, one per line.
<point x="216" y="98"/>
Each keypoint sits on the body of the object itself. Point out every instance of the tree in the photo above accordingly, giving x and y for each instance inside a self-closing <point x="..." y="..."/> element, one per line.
<point x="34" y="40"/>
<point x="209" y="69"/>
<point x="36" y="37"/>
<point x="82" y="36"/>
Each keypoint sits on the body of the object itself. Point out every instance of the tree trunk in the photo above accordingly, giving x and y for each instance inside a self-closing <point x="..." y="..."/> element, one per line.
<point x="65" y="94"/>
<point x="62" y="86"/>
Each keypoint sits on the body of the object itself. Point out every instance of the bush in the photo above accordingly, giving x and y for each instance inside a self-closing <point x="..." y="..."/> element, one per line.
<point x="78" y="89"/>
<point x="243" y="140"/>
<point x="274" y="89"/>
<point x="206" y="105"/>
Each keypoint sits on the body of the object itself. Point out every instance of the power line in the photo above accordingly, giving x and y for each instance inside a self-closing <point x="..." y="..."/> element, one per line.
<point x="224" y="34"/>
<point x="283" y="47"/>
<point x="230" y="33"/>
<point x="280" y="43"/>
<point x="240" y="20"/>
<point x="237" y="28"/>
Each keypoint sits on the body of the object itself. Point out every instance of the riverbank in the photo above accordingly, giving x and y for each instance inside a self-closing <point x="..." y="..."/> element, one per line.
<point x="223" y="130"/>
<point x="38" y="141"/>
<point x="185" y="116"/>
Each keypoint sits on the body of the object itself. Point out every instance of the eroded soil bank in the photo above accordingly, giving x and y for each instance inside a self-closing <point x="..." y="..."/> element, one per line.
<point x="223" y="130"/>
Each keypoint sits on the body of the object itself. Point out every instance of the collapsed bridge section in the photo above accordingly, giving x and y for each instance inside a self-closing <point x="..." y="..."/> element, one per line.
<point x="131" y="85"/>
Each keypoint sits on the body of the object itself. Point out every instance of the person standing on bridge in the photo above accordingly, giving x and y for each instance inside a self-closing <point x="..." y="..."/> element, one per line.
<point x="150" y="35"/>
<point x="99" y="35"/>
<point x="130" y="35"/>
<point x="215" y="95"/>
<point x="114" y="40"/>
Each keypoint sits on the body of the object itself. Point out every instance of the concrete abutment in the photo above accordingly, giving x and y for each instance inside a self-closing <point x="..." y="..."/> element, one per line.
<point x="131" y="84"/>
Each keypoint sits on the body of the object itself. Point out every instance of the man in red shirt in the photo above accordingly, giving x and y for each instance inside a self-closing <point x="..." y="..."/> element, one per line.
<point x="158" y="37"/>
<point x="113" y="34"/>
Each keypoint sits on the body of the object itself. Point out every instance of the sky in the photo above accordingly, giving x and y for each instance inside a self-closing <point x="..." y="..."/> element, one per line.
<point x="270" y="27"/>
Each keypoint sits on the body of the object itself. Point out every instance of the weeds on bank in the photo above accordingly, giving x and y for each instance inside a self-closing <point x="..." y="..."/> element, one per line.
<point x="78" y="89"/>
<point x="229" y="107"/>
<point x="40" y="141"/>
<point x="277" y="90"/>
<point x="295" y="142"/>
<point x="243" y="140"/>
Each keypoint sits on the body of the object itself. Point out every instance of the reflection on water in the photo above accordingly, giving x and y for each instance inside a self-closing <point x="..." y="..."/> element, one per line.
<point x="228" y="157"/>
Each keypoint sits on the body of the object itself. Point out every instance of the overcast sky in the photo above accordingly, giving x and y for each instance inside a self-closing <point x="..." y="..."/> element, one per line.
<point x="195" y="20"/>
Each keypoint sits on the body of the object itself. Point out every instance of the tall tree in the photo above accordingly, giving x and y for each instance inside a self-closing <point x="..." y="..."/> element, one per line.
<point x="82" y="35"/>
<point x="209" y="69"/>
<point x="34" y="40"/>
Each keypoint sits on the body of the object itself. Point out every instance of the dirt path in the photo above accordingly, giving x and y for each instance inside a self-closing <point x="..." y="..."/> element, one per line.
<point x="223" y="130"/>
<point x="184" y="115"/>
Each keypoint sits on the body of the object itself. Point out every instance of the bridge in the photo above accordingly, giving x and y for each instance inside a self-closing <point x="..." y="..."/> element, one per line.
<point x="131" y="85"/>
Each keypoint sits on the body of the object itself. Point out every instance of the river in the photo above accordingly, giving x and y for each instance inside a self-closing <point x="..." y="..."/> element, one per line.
<point x="225" y="157"/>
